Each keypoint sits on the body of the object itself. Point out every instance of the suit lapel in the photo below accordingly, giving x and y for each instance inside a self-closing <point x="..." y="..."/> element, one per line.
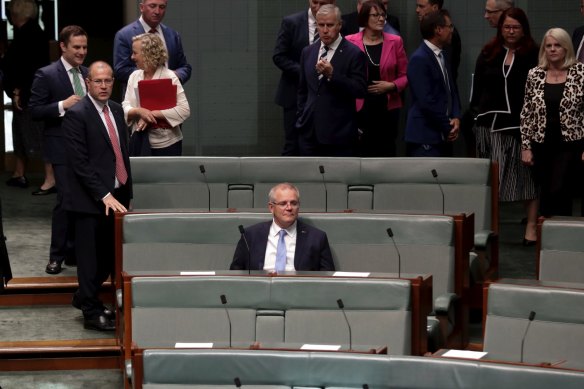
<point x="304" y="29"/>
<point x="263" y="244"/>
<point x="301" y="236"/>
<point x="64" y="78"/>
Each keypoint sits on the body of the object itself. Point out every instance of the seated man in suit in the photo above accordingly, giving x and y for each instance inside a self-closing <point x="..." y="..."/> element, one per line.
<point x="285" y="243"/>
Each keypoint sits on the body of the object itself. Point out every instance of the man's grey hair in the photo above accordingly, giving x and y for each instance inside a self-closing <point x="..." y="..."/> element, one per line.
<point x="504" y="4"/>
<point x="283" y="185"/>
<point x="330" y="8"/>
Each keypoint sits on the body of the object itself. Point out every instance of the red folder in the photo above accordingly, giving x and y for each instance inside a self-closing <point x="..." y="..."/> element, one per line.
<point x="157" y="95"/>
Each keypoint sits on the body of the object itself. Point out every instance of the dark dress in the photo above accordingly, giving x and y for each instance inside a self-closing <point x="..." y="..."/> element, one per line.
<point x="556" y="161"/>
<point x="377" y="125"/>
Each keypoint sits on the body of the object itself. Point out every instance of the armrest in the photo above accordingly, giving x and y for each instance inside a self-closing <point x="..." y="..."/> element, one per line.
<point x="120" y="297"/>
<point x="128" y="367"/>
<point x="444" y="305"/>
<point x="482" y="238"/>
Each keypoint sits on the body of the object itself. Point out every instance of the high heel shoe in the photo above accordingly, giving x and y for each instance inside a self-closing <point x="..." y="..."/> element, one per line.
<point x="527" y="242"/>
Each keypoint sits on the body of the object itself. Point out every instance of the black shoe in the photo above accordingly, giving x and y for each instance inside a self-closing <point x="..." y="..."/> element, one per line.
<point x="44" y="192"/>
<point x="19" y="182"/>
<point x="108" y="313"/>
<point x="527" y="242"/>
<point x="53" y="267"/>
<point x="99" y="323"/>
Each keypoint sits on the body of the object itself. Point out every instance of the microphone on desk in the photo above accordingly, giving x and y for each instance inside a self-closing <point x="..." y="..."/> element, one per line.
<point x="242" y="232"/>
<point x="224" y="302"/>
<point x="342" y="308"/>
<point x="531" y="317"/>
<point x="237" y="382"/>
<point x="203" y="171"/>
<point x="390" y="233"/>
<point x="435" y="175"/>
<point x="321" y="170"/>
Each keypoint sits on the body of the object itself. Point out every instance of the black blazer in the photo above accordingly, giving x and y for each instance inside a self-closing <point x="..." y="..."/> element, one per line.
<point x="312" y="249"/>
<point x="292" y="38"/>
<point x="329" y="106"/>
<point x="91" y="162"/>
<point x="577" y="38"/>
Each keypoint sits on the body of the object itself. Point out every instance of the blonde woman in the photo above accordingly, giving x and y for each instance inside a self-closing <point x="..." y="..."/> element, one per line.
<point x="552" y="122"/>
<point x="150" y="56"/>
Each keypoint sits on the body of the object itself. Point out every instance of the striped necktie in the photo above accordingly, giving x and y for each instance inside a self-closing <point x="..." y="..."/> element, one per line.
<point x="77" y="88"/>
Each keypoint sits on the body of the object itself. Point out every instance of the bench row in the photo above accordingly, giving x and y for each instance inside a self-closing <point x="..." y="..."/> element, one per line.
<point x="436" y="245"/>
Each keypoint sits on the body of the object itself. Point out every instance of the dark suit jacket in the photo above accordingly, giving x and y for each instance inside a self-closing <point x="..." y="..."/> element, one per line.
<point x="312" y="249"/>
<point x="351" y="25"/>
<point x="292" y="38"/>
<point x="28" y="52"/>
<point x="51" y="84"/>
<point x="91" y="162"/>
<point x="577" y="38"/>
<point x="123" y="64"/>
<point x="427" y="121"/>
<point x="329" y="106"/>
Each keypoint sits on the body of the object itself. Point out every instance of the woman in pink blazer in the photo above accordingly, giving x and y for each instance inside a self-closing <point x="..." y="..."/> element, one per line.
<point x="378" y="113"/>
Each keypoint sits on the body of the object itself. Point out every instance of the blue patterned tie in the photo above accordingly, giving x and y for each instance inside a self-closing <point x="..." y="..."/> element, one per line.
<point x="281" y="253"/>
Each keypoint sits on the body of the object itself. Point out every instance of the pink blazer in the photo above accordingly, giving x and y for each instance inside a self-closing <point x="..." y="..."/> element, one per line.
<point x="393" y="66"/>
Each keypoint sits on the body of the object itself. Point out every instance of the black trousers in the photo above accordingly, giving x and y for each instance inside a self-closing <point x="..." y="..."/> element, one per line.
<point x="62" y="223"/>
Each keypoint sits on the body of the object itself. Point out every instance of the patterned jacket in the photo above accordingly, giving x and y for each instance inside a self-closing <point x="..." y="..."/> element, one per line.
<point x="533" y="114"/>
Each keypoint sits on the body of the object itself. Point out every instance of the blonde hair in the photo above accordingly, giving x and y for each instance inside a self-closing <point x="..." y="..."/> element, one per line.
<point x="153" y="51"/>
<point x="565" y="41"/>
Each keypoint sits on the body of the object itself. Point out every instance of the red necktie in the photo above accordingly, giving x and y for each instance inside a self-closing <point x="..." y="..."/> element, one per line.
<point x="121" y="173"/>
<point x="153" y="31"/>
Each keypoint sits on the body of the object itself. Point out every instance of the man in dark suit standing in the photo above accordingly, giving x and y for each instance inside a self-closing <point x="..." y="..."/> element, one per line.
<point x="453" y="49"/>
<point x="578" y="37"/>
<point x="296" y="32"/>
<point x="98" y="171"/>
<point x="332" y="76"/>
<point x="434" y="115"/>
<point x="351" y="25"/>
<point x="55" y="89"/>
<point x="285" y="243"/>
<point x="152" y="12"/>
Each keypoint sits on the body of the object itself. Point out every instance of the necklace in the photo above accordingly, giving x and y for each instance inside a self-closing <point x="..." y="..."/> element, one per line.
<point x="557" y="74"/>
<point x="368" y="56"/>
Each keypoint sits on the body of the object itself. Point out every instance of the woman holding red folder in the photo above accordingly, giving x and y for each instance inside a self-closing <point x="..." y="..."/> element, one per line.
<point x="155" y="103"/>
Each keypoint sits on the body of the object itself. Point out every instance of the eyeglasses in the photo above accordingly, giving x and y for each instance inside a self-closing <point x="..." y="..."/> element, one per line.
<point x="450" y="26"/>
<point x="377" y="16"/>
<point x="284" y="204"/>
<point x="106" y="82"/>
<point x="508" y="27"/>
<point x="493" y="11"/>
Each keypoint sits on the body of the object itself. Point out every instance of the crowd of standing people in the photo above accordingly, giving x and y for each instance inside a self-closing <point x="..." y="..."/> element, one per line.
<point x="526" y="111"/>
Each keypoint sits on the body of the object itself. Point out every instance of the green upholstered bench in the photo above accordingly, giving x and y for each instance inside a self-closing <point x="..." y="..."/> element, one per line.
<point x="561" y="250"/>
<point x="289" y="311"/>
<point x="557" y="332"/>
<point x="386" y="185"/>
<point x="154" y="369"/>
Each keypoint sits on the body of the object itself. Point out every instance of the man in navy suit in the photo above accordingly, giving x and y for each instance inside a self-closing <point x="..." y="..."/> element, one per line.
<point x="98" y="172"/>
<point x="152" y="13"/>
<point x="434" y="115"/>
<point x="55" y="89"/>
<point x="285" y="243"/>
<point x="296" y="32"/>
<point x="332" y="76"/>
